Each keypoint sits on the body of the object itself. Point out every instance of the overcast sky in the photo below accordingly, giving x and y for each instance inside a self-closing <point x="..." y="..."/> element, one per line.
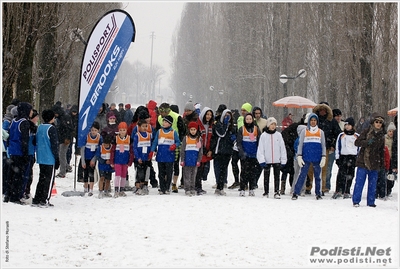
<point x="162" y="19"/>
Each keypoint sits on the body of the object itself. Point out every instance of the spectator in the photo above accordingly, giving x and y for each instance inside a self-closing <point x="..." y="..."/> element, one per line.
<point x="128" y="114"/>
<point x="151" y="106"/>
<point x="114" y="110"/>
<point x="370" y="159"/>
<point x="64" y="129"/>
<point x="287" y="121"/>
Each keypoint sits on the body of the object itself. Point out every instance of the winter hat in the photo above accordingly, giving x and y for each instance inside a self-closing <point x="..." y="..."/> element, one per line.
<point x="14" y="111"/>
<point x="193" y="124"/>
<point x="391" y="126"/>
<point x="271" y="120"/>
<point x="164" y="107"/>
<point x="74" y="108"/>
<point x="110" y="114"/>
<point x="189" y="106"/>
<point x="197" y="106"/>
<point x="337" y="112"/>
<point x="306" y="118"/>
<point x="168" y="119"/>
<point x="122" y="125"/>
<point x="121" y="104"/>
<point x="247" y="107"/>
<point x="112" y="104"/>
<point x="128" y="106"/>
<point x="47" y="115"/>
<point x="349" y="121"/>
<point x="221" y="108"/>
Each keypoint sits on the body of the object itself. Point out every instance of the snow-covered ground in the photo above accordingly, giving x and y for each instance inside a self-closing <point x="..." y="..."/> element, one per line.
<point x="206" y="231"/>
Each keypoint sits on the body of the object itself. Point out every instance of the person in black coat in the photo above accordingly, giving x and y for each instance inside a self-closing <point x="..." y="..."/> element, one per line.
<point x="289" y="135"/>
<point x="224" y="134"/>
<point x="65" y="131"/>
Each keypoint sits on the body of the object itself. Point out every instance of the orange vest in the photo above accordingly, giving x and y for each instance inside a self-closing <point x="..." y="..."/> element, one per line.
<point x="92" y="143"/>
<point x="166" y="138"/>
<point x="105" y="153"/>
<point x="122" y="142"/>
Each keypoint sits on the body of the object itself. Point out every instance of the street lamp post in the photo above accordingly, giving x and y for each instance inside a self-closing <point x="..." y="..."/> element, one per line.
<point x="284" y="78"/>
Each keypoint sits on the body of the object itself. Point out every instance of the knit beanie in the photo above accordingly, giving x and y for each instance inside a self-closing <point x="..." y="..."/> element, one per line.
<point x="271" y="120"/>
<point x="110" y="114"/>
<point x="189" y="106"/>
<point x="221" y="108"/>
<point x="168" y="119"/>
<point x="391" y="126"/>
<point x="337" y="112"/>
<point x="193" y="124"/>
<point x="128" y="106"/>
<point x="47" y="115"/>
<point x="122" y="125"/>
<point x="247" y="107"/>
<point x="349" y="121"/>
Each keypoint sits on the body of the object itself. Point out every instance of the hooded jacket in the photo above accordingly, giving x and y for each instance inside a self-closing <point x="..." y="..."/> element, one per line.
<point x="222" y="137"/>
<point x="206" y="129"/>
<point x="330" y="127"/>
<point x="151" y="106"/>
<point x="64" y="125"/>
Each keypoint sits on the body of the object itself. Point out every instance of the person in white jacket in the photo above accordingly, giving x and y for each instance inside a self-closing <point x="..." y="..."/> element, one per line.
<point x="271" y="151"/>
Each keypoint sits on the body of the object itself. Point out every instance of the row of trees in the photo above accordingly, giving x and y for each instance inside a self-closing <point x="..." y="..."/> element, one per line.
<point x="349" y="51"/>
<point x="41" y="62"/>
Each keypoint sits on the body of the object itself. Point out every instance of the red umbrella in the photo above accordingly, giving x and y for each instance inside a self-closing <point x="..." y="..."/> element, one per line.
<point x="393" y="111"/>
<point x="294" y="101"/>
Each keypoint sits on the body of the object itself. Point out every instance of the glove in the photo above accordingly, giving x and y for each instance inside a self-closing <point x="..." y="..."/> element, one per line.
<point x="182" y="164"/>
<point x="322" y="163"/>
<point x="151" y="155"/>
<point x="370" y="141"/>
<point x="338" y="162"/>
<point x="198" y="164"/>
<point x="263" y="165"/>
<point x="227" y="118"/>
<point x="172" y="147"/>
<point x="300" y="161"/>
<point x="282" y="166"/>
<point x="233" y="137"/>
<point x="57" y="164"/>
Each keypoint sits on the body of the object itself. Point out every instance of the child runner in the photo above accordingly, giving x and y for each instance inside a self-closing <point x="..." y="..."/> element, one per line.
<point x="165" y="141"/>
<point x="105" y="169"/>
<point x="141" y="149"/>
<point x="121" y="158"/>
<point x="88" y="154"/>
<point x="247" y="142"/>
<point x="345" y="155"/>
<point x="311" y="151"/>
<point x="47" y="158"/>
<point x="191" y="153"/>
